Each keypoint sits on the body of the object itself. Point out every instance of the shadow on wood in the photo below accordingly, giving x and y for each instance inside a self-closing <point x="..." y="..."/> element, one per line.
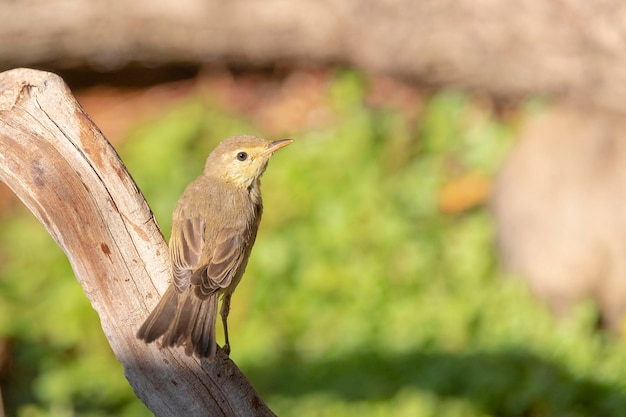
<point x="63" y="169"/>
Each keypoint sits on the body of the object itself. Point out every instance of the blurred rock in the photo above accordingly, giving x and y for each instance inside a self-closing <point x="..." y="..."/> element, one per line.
<point x="560" y="208"/>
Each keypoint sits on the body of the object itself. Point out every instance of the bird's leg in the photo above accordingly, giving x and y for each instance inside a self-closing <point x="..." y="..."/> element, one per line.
<point x="224" y="313"/>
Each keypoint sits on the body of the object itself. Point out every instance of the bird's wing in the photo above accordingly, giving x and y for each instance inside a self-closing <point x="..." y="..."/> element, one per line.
<point x="186" y="245"/>
<point x="224" y="262"/>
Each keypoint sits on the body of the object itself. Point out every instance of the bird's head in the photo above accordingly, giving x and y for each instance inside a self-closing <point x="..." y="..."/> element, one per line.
<point x="241" y="160"/>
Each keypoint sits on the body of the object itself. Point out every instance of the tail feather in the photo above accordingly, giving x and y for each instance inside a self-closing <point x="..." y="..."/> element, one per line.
<point x="181" y="323"/>
<point x="161" y="317"/>
<point x="183" y="319"/>
<point x="203" y="333"/>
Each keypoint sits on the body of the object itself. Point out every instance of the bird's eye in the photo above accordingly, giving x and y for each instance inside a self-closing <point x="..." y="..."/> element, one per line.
<point x="242" y="156"/>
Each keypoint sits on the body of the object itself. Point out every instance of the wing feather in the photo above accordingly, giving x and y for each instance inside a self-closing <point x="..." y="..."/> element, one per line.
<point x="186" y="246"/>
<point x="224" y="263"/>
<point x="212" y="271"/>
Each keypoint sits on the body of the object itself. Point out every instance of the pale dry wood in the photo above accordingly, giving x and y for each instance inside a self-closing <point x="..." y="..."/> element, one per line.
<point x="63" y="169"/>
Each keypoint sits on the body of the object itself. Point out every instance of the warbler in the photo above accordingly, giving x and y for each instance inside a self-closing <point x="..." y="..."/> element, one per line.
<point x="214" y="227"/>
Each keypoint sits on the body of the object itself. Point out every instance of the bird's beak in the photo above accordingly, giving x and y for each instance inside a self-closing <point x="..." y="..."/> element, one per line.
<point x="276" y="145"/>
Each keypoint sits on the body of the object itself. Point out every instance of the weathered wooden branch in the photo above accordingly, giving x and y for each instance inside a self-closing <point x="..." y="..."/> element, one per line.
<point x="60" y="165"/>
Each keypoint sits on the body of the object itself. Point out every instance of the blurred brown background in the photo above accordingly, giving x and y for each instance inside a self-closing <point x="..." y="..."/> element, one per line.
<point x="568" y="48"/>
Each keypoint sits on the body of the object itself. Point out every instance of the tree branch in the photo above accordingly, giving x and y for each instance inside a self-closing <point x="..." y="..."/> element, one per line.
<point x="63" y="169"/>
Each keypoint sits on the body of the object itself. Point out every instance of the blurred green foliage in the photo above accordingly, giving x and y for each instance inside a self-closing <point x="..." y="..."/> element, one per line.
<point x="361" y="298"/>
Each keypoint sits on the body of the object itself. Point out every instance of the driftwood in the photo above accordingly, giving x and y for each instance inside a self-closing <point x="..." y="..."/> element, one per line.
<point x="63" y="169"/>
<point x="570" y="47"/>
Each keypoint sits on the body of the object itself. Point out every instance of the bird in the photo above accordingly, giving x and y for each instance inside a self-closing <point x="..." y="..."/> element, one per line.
<point x="214" y="226"/>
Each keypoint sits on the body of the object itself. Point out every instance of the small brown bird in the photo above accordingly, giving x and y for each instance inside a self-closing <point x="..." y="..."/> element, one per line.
<point x="213" y="229"/>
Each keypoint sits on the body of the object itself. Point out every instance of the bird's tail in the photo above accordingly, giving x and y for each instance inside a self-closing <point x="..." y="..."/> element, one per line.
<point x="183" y="320"/>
